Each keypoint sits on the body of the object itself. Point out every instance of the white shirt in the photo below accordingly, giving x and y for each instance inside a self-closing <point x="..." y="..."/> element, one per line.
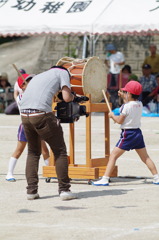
<point x="18" y="99"/>
<point x="17" y="88"/>
<point x="117" y="57"/>
<point x="132" y="110"/>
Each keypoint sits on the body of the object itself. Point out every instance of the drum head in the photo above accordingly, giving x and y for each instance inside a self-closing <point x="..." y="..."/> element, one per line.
<point x="94" y="79"/>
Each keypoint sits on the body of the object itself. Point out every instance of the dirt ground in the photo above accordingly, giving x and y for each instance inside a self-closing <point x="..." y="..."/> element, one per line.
<point x="128" y="209"/>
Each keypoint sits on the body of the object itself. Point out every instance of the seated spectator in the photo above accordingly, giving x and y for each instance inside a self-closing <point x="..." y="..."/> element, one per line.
<point x="6" y="91"/>
<point x="127" y="73"/>
<point x="153" y="95"/>
<point x="4" y="80"/>
<point x="133" y="77"/>
<point x="126" y="69"/>
<point x="148" y="81"/>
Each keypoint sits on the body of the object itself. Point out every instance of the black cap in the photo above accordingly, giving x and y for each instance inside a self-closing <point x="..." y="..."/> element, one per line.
<point x="146" y="66"/>
<point x="22" y="71"/>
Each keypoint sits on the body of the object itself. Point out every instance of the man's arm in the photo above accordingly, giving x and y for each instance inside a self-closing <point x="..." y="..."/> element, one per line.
<point x="107" y="63"/>
<point x="67" y="95"/>
<point x="120" y="63"/>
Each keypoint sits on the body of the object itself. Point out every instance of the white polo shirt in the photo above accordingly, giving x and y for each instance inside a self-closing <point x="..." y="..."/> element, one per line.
<point x="132" y="112"/>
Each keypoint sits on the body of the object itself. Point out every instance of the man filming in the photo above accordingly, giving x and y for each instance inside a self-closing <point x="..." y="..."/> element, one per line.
<point x="40" y="123"/>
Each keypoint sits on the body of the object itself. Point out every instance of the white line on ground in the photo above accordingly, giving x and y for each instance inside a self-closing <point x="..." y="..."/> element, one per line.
<point x="64" y="226"/>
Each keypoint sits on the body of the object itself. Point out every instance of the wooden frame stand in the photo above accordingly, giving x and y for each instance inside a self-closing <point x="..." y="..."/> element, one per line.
<point x="93" y="168"/>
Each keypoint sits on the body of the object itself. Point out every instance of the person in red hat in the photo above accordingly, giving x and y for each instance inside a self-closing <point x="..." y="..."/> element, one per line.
<point x="17" y="89"/>
<point x="131" y="134"/>
<point x="13" y="107"/>
<point x="22" y="141"/>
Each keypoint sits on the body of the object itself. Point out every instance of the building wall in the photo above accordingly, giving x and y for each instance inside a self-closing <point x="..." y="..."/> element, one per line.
<point x="57" y="47"/>
<point x="135" y="49"/>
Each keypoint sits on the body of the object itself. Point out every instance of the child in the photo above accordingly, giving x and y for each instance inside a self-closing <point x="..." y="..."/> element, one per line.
<point x="21" y="136"/>
<point x="131" y="135"/>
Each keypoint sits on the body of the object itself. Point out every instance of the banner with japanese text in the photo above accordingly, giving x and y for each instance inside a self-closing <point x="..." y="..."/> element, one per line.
<point x="20" y="17"/>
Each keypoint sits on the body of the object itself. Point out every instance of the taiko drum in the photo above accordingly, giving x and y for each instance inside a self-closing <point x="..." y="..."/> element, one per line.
<point x="88" y="76"/>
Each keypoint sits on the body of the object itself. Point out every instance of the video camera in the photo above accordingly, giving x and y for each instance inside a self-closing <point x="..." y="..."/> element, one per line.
<point x="69" y="112"/>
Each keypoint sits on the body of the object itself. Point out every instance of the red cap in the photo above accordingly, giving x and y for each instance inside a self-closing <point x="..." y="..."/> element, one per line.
<point x="21" y="81"/>
<point x="133" y="87"/>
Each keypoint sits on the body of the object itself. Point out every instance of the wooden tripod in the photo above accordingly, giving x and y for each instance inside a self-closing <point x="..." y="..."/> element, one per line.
<point x="93" y="168"/>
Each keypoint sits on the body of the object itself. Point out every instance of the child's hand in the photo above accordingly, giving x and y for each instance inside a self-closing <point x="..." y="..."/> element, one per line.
<point x="120" y="93"/>
<point x="111" y="114"/>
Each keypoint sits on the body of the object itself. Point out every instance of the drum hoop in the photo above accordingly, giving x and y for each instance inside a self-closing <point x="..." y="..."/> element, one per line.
<point x="72" y="61"/>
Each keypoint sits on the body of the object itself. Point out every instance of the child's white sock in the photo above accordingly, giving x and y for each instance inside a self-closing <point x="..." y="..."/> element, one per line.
<point x="104" y="181"/>
<point x="104" y="177"/>
<point x="156" y="176"/>
<point x="46" y="161"/>
<point x="156" y="179"/>
<point x="12" y="163"/>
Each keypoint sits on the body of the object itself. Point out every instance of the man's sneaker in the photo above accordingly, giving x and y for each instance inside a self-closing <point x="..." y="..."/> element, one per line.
<point x="32" y="196"/>
<point x="12" y="179"/>
<point x="156" y="181"/>
<point x="67" y="195"/>
<point x="104" y="181"/>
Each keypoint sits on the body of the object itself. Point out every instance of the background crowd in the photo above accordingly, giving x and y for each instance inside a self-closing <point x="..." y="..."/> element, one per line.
<point x="119" y="73"/>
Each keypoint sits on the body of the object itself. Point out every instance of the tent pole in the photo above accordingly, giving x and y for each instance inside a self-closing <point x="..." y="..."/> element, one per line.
<point x="92" y="39"/>
<point x="92" y="42"/>
<point x="84" y="46"/>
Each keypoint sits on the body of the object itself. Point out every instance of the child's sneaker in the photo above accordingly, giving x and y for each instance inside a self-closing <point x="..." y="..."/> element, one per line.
<point x="156" y="179"/>
<point x="104" y="181"/>
<point x="10" y="179"/>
